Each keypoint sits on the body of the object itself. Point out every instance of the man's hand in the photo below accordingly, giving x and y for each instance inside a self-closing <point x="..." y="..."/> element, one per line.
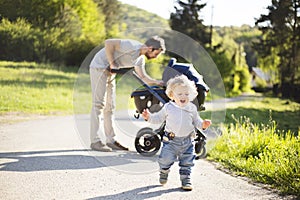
<point x="113" y="66"/>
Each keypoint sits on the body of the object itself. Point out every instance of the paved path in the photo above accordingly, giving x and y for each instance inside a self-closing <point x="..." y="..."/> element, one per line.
<point x="49" y="159"/>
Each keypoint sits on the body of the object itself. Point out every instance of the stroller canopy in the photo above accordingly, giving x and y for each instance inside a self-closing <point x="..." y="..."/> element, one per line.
<point x="173" y="69"/>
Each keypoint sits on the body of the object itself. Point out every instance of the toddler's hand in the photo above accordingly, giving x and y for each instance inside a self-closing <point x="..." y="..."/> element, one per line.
<point x="206" y="123"/>
<point x="145" y="114"/>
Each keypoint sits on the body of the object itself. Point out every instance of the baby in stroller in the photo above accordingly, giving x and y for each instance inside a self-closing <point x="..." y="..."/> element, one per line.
<point x="148" y="141"/>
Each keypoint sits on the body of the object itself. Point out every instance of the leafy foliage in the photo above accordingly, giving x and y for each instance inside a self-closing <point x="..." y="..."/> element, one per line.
<point x="17" y="34"/>
<point x="279" y="46"/>
<point x="61" y="31"/>
<point x="111" y="10"/>
<point x="225" y="45"/>
<point x="186" y="20"/>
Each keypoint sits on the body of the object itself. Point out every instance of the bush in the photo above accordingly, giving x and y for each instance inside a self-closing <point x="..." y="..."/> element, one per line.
<point x="17" y="40"/>
<point x="245" y="79"/>
<point x="226" y="69"/>
<point x="54" y="31"/>
<point x="261" y="152"/>
<point x="20" y="41"/>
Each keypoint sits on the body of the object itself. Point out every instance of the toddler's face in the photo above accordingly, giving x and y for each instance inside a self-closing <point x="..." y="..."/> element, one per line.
<point x="181" y="95"/>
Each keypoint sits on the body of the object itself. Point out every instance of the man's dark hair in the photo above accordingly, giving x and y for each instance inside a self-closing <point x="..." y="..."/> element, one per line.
<point x="157" y="43"/>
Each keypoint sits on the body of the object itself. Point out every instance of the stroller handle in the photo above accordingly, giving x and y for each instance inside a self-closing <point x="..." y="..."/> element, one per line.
<point x="148" y="88"/>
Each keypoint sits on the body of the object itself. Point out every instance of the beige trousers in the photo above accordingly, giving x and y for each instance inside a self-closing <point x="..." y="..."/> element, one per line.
<point x="103" y="102"/>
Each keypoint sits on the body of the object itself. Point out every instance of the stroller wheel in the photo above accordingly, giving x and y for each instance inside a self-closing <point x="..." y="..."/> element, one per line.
<point x="144" y="129"/>
<point x="147" y="142"/>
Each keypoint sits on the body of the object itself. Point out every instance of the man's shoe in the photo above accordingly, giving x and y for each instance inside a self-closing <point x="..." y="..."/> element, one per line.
<point x="117" y="146"/>
<point x="99" y="146"/>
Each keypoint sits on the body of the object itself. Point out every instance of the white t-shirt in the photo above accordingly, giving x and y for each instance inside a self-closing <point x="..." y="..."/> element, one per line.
<point x="180" y="120"/>
<point x="126" y="56"/>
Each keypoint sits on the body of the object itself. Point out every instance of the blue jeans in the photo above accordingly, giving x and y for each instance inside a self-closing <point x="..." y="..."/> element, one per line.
<point x="178" y="148"/>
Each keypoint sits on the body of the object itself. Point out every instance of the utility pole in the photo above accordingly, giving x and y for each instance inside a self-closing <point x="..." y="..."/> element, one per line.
<point x="211" y="25"/>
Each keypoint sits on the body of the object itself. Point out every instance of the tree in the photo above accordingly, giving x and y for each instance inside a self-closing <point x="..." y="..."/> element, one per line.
<point x="111" y="10"/>
<point x="281" y="36"/>
<point x="186" y="20"/>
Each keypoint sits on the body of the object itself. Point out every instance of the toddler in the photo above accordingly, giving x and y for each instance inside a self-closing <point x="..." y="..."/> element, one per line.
<point x="181" y="117"/>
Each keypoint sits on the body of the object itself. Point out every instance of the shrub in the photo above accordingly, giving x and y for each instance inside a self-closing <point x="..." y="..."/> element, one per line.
<point x="21" y="41"/>
<point x="17" y="40"/>
<point x="245" y="79"/>
<point x="50" y="31"/>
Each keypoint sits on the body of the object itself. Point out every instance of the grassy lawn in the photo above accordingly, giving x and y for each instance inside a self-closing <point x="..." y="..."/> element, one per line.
<point x="261" y="110"/>
<point x="32" y="88"/>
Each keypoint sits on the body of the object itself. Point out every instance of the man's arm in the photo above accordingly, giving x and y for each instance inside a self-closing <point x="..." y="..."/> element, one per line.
<point x="111" y="45"/>
<point x="145" y="77"/>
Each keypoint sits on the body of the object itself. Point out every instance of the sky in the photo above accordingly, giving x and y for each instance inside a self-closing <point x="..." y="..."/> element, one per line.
<point x="216" y="12"/>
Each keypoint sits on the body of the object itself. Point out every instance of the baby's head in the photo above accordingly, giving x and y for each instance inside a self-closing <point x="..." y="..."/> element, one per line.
<point x="181" y="90"/>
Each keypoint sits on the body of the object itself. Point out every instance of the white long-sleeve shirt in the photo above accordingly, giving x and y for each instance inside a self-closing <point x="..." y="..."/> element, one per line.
<point x="180" y="120"/>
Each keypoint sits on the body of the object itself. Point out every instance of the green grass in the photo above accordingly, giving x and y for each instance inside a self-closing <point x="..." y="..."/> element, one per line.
<point x="262" y="110"/>
<point x="262" y="153"/>
<point x="32" y="88"/>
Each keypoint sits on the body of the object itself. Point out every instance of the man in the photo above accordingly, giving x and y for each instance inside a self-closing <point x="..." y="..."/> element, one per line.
<point x="117" y="53"/>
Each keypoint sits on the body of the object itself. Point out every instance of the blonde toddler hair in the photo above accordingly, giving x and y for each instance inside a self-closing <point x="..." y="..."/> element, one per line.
<point x="181" y="80"/>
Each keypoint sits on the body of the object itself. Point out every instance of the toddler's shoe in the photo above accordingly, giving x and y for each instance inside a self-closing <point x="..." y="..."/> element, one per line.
<point x="163" y="176"/>
<point x="186" y="183"/>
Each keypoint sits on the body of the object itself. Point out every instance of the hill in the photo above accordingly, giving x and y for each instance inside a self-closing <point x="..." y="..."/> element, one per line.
<point x="138" y="22"/>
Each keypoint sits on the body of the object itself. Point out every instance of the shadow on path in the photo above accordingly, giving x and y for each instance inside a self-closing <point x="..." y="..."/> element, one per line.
<point x="66" y="160"/>
<point x="138" y="193"/>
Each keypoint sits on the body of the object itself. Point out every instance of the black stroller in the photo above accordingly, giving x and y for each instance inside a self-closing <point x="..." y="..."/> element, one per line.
<point x="148" y="141"/>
